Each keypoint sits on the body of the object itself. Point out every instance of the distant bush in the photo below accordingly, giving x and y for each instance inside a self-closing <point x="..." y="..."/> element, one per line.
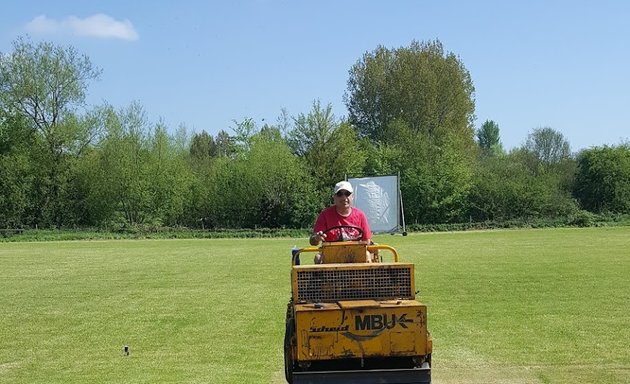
<point x="140" y="232"/>
<point x="579" y="219"/>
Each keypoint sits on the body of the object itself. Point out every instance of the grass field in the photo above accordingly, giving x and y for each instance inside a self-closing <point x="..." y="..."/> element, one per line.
<point x="518" y="306"/>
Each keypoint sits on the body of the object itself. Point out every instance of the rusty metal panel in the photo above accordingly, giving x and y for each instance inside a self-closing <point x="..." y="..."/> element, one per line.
<point x="328" y="331"/>
<point x="367" y="281"/>
<point x="348" y="253"/>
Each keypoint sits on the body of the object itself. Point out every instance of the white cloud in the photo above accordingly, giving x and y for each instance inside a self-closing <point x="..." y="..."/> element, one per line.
<point x="99" y="25"/>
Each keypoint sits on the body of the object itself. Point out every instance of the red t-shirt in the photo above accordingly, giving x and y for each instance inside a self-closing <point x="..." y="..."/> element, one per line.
<point x="329" y="218"/>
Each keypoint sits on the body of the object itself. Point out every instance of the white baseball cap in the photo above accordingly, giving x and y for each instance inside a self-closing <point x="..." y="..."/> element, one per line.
<point x="343" y="185"/>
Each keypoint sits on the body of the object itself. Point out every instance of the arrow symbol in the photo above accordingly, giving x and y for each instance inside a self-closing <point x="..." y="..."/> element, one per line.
<point x="403" y="319"/>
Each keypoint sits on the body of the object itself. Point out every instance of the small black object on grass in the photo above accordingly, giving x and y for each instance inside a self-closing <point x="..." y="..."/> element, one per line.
<point x="126" y="350"/>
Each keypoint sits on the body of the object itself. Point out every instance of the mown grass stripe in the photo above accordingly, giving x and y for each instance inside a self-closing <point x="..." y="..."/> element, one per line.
<point x="514" y="306"/>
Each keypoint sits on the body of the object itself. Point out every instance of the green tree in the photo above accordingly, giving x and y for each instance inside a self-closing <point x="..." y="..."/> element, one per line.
<point x="417" y="105"/>
<point x="46" y="84"/>
<point x="203" y="146"/>
<point x="435" y="183"/>
<point x="548" y="147"/>
<point x="170" y="177"/>
<point x="244" y="132"/>
<point x="225" y="144"/>
<point x="421" y="85"/>
<point x="267" y="187"/>
<point x="204" y="153"/>
<point x="602" y="182"/>
<point x="489" y="139"/>
<point x="547" y="154"/>
<point x="138" y="175"/>
<point x="505" y="188"/>
<point x="330" y="148"/>
<point x="17" y="170"/>
<point x="382" y="159"/>
<point x="117" y="176"/>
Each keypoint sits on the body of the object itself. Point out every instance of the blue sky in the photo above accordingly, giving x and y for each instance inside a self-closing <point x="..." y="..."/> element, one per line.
<point x="205" y="64"/>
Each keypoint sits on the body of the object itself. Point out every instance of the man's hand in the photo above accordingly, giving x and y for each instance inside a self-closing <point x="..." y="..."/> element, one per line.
<point x="317" y="237"/>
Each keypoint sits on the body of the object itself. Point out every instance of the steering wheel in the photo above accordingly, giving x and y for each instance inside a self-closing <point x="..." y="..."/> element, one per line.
<point x="352" y="233"/>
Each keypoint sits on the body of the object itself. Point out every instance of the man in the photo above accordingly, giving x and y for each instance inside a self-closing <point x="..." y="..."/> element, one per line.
<point x="341" y="213"/>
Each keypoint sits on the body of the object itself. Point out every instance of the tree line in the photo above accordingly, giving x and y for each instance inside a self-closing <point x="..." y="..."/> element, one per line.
<point x="410" y="111"/>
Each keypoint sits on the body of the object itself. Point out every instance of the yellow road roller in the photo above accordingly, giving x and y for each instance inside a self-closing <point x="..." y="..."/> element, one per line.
<point x="353" y="316"/>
